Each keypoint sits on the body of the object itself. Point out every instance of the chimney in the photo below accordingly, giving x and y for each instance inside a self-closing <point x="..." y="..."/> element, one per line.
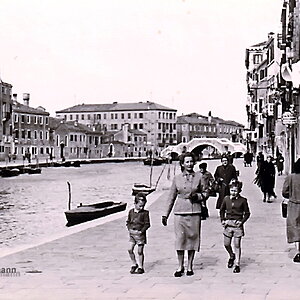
<point x="15" y="96"/>
<point x="209" y="116"/>
<point x="26" y="98"/>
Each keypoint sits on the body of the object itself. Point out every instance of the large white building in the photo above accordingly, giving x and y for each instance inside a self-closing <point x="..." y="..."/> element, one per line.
<point x="157" y="121"/>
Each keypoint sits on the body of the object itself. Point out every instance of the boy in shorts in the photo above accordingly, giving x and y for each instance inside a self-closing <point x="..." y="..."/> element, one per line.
<point x="234" y="212"/>
<point x="137" y="223"/>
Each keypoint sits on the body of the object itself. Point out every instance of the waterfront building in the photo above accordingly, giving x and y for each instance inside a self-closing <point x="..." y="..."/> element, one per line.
<point x="156" y="121"/>
<point x="6" y="139"/>
<point x="30" y="130"/>
<point x="194" y="125"/>
<point x="72" y="140"/>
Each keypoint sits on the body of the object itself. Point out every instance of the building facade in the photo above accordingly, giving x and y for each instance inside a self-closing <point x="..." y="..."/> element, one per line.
<point x="273" y="79"/>
<point x="156" y="121"/>
<point x="263" y="74"/>
<point x="198" y="126"/>
<point x="31" y="131"/>
<point x="6" y="138"/>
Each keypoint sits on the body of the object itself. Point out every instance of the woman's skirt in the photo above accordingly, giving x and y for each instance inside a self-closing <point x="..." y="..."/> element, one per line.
<point x="187" y="232"/>
<point x="293" y="222"/>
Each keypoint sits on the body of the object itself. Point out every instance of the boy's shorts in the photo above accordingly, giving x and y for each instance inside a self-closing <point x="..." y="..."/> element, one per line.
<point x="137" y="238"/>
<point x="233" y="230"/>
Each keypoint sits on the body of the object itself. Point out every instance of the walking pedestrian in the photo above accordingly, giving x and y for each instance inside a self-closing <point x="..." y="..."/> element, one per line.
<point x="185" y="197"/>
<point x="266" y="179"/>
<point x="248" y="158"/>
<point x="279" y="163"/>
<point x="259" y="159"/>
<point x="207" y="183"/>
<point x="291" y="190"/>
<point x="138" y="222"/>
<point x="234" y="212"/>
<point x="223" y="175"/>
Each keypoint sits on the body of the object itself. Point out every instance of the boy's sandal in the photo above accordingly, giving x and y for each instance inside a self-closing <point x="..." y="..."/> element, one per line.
<point x="236" y="269"/>
<point x="140" y="271"/>
<point x="231" y="261"/>
<point x="133" y="269"/>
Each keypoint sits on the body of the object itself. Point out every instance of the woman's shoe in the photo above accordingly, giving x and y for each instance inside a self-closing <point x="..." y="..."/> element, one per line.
<point x="133" y="269"/>
<point x="297" y="258"/>
<point x="179" y="273"/>
<point x="231" y="261"/>
<point x="190" y="273"/>
<point x="236" y="269"/>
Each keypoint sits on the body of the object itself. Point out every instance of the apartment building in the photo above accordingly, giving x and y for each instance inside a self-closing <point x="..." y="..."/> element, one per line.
<point x="198" y="126"/>
<point x="156" y="121"/>
<point x="30" y="130"/>
<point x="5" y="120"/>
<point x="263" y="81"/>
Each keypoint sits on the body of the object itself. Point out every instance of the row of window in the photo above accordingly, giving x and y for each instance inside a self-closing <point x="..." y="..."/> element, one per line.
<point x="166" y="136"/>
<point x="33" y="150"/>
<point x="31" y="119"/>
<point x="31" y="134"/>
<point x="116" y="116"/>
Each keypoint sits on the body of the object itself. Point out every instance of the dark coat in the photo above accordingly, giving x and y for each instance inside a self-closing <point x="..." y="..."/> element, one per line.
<point x="266" y="173"/>
<point x="224" y="175"/>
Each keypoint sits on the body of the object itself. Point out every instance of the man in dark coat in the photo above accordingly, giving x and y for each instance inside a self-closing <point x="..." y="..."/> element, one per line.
<point x="223" y="175"/>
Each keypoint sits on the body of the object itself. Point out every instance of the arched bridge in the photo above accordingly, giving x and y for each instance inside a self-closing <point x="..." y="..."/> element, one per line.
<point x="197" y="145"/>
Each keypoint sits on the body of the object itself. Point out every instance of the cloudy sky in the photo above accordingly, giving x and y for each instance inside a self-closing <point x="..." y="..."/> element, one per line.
<point x="184" y="54"/>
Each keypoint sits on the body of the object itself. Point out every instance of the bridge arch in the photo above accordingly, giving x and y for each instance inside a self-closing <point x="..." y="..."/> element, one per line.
<point x="197" y="145"/>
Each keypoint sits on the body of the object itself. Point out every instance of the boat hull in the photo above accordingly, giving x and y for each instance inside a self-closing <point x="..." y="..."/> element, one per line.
<point x="142" y="188"/>
<point x="86" y="213"/>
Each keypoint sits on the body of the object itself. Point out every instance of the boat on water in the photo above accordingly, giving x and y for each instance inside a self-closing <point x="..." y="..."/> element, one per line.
<point x="88" y="212"/>
<point x="156" y="161"/>
<point x="33" y="170"/>
<point x="10" y="172"/>
<point x="84" y="213"/>
<point x="142" y="188"/>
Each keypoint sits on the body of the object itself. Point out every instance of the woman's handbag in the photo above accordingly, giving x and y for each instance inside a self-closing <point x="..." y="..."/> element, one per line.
<point x="214" y="189"/>
<point x="204" y="213"/>
<point x="284" y="209"/>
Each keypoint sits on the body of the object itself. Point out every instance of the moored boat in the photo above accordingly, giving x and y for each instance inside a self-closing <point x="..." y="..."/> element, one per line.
<point x="10" y="172"/>
<point x="153" y="161"/>
<point x="84" y="213"/>
<point x="142" y="188"/>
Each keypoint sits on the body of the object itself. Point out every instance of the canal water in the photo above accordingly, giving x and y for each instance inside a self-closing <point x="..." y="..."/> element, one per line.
<point x="32" y="206"/>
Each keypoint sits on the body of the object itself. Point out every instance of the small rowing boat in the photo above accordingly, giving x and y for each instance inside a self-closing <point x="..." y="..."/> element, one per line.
<point x="84" y="213"/>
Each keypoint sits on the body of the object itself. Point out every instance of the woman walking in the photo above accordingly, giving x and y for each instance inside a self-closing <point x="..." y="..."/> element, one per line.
<point x="266" y="179"/>
<point x="291" y="190"/>
<point x="223" y="175"/>
<point x="185" y="198"/>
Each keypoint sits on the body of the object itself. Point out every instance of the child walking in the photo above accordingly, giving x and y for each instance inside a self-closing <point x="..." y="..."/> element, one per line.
<point x="137" y="223"/>
<point x="234" y="212"/>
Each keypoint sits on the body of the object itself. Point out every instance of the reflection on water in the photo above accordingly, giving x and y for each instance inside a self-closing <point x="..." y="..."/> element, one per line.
<point x="33" y="206"/>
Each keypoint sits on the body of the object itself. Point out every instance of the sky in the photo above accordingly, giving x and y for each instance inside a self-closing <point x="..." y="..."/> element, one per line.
<point x="184" y="54"/>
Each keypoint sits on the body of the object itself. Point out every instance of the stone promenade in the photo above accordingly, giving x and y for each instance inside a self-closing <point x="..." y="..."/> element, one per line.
<point x="94" y="264"/>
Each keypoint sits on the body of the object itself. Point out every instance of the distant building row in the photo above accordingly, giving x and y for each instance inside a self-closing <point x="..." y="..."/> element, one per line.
<point x="99" y="130"/>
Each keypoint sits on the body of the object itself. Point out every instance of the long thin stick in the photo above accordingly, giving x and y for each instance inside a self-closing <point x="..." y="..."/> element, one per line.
<point x="69" y="187"/>
<point x="151" y="170"/>
<point x="160" y="176"/>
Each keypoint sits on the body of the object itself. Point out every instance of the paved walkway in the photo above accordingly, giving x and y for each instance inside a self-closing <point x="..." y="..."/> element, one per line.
<point x="94" y="264"/>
